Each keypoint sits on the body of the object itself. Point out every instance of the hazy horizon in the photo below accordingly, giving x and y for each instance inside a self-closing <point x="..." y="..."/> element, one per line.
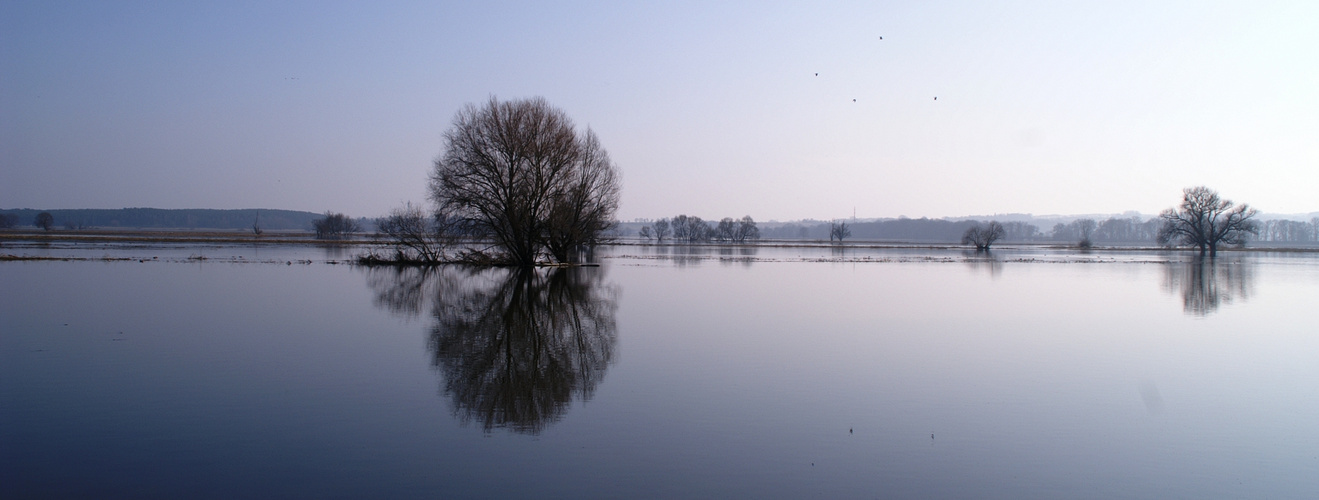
<point x="784" y="111"/>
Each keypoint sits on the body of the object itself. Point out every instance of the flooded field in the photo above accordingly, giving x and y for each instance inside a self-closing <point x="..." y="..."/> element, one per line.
<point x="697" y="372"/>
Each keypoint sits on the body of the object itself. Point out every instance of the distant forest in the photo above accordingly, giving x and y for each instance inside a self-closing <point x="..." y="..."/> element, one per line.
<point x="163" y="218"/>
<point x="1112" y="230"/>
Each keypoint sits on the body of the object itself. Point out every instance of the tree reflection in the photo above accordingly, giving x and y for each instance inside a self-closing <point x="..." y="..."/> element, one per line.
<point x="979" y="260"/>
<point x="515" y="347"/>
<point x="403" y="290"/>
<point x="1207" y="283"/>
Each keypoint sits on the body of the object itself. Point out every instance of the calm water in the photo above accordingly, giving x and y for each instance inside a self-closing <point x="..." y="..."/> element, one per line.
<point x="668" y="373"/>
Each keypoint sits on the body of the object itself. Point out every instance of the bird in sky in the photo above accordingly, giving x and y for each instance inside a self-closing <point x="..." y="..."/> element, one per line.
<point x="936" y="98"/>
<point x="853" y="100"/>
<point x="817" y="74"/>
<point x="881" y="38"/>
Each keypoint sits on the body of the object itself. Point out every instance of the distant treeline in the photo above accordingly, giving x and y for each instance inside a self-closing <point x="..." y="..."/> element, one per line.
<point x="164" y="218"/>
<point x="1113" y="230"/>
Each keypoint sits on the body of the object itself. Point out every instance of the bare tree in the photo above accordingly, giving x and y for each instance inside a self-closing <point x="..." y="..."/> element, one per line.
<point x="518" y="173"/>
<point x="724" y="231"/>
<point x="585" y="210"/>
<point x="662" y="230"/>
<point x="681" y="228"/>
<point x="746" y="230"/>
<point x="982" y="236"/>
<point x="44" y="221"/>
<point x="691" y="229"/>
<point x="1086" y="227"/>
<point x="335" y="226"/>
<point x="256" y="225"/>
<point x="698" y="230"/>
<point x="8" y="220"/>
<point x="1204" y="220"/>
<point x="417" y="236"/>
<point x="645" y="233"/>
<point x="839" y="231"/>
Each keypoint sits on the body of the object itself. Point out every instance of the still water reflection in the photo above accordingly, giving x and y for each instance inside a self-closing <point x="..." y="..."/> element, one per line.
<point x="1206" y="283"/>
<point x="515" y="348"/>
<point x="788" y="373"/>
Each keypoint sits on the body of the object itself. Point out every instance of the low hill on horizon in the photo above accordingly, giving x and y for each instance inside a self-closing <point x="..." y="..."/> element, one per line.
<point x="188" y="218"/>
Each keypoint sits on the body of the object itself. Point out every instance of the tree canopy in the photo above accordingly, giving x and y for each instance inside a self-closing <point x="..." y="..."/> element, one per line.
<point x="1204" y="220"/>
<point x="518" y="172"/>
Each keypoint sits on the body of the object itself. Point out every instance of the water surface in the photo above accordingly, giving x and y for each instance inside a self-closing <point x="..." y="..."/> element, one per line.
<point x="667" y="372"/>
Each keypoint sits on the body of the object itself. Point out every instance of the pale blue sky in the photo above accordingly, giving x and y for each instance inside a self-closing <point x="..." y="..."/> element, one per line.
<point x="710" y="109"/>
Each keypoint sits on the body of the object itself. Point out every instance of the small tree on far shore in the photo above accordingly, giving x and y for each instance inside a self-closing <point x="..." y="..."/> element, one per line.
<point x="44" y="221"/>
<point x="746" y="230"/>
<point x="256" y="225"/>
<point x="662" y="230"/>
<point x="982" y="236"/>
<point x="1087" y="228"/>
<point x="1204" y="220"/>
<point x="417" y="237"/>
<point x="839" y="231"/>
<point x="335" y="226"/>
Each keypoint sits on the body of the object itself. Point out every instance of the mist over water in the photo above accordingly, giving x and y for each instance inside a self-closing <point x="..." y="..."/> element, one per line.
<point x="673" y="371"/>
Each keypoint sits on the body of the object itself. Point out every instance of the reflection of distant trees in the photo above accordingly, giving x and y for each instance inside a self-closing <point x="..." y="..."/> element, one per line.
<point x="1206" y="283"/>
<point x="515" y="347"/>
<point x="694" y="255"/>
<point x="983" y="261"/>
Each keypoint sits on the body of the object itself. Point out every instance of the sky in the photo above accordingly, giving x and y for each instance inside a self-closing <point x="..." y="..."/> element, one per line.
<point x="778" y="110"/>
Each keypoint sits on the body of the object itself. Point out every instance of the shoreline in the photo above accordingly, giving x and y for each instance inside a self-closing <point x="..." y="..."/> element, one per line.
<point x="183" y="236"/>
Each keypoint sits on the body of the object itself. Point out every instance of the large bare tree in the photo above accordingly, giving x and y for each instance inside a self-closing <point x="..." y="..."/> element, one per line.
<point x="517" y="172"/>
<point x="1204" y="220"/>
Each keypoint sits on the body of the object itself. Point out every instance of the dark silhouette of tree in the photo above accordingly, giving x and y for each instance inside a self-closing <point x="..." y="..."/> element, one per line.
<point x="416" y="236"/>
<point x="335" y="226"/>
<point x="646" y="233"/>
<point x="518" y="173"/>
<point x="1204" y="220"/>
<point x="584" y="211"/>
<point x="662" y="230"/>
<point x="839" y="231"/>
<point x="44" y="221"/>
<point x="8" y="220"/>
<point x="983" y="235"/>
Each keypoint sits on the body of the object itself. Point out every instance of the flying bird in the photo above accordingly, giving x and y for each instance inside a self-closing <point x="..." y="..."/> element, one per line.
<point x="853" y="100"/>
<point x="817" y="74"/>
<point x="936" y="98"/>
<point x="881" y="38"/>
